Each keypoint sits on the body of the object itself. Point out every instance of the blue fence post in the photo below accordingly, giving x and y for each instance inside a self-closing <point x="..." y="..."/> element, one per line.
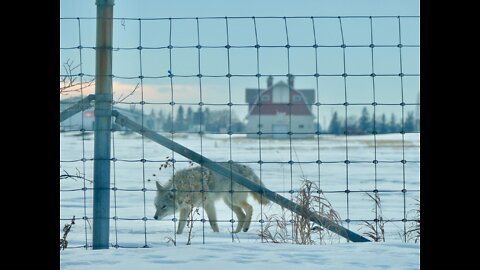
<point x="103" y="123"/>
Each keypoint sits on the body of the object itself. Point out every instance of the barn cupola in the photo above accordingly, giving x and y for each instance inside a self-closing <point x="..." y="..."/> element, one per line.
<point x="269" y="82"/>
<point x="290" y="81"/>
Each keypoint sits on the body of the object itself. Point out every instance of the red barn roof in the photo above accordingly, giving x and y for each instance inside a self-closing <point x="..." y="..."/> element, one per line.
<point x="297" y="105"/>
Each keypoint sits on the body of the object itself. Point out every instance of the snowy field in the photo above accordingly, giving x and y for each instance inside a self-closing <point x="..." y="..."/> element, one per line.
<point x="241" y="256"/>
<point x="132" y="225"/>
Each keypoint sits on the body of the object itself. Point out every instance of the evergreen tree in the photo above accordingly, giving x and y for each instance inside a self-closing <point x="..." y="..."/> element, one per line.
<point x="152" y="112"/>
<point x="151" y="120"/>
<point x="160" y="116"/>
<point x="352" y="125"/>
<point x="410" y="122"/>
<point x="393" y="127"/>
<point x="335" y="126"/>
<point x="179" y="120"/>
<point x="237" y="127"/>
<point x="206" y="120"/>
<point x="198" y="117"/>
<point x="168" y="122"/>
<point x="364" y="123"/>
<point x="382" y="127"/>
<point x="201" y="118"/>
<point x="189" y="117"/>
<point x="160" y="120"/>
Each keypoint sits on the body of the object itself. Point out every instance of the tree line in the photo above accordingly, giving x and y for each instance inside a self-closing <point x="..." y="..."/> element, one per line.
<point x="223" y="121"/>
<point x="366" y="124"/>
<point x="190" y="120"/>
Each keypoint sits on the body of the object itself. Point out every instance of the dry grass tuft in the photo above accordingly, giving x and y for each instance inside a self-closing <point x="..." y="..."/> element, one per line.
<point x="375" y="230"/>
<point x="66" y="230"/>
<point x="311" y="199"/>
<point x="413" y="233"/>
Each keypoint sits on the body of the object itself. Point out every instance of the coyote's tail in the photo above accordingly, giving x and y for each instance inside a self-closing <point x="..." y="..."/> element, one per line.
<point x="259" y="198"/>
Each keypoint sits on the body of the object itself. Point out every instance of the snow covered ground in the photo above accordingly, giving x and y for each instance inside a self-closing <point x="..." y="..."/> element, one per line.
<point x="132" y="209"/>
<point x="241" y="256"/>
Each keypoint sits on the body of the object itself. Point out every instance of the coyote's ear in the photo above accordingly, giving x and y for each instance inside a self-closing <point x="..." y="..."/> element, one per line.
<point x="159" y="187"/>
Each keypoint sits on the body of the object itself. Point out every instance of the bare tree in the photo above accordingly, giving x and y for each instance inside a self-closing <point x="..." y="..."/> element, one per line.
<point x="69" y="82"/>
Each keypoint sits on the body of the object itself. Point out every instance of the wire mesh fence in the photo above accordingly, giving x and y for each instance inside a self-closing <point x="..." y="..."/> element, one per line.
<point x="293" y="98"/>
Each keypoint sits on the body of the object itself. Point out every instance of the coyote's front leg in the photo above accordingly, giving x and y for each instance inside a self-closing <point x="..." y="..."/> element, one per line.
<point x="212" y="216"/>
<point x="182" y="220"/>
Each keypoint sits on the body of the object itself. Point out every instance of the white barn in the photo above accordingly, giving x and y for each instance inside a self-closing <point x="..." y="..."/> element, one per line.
<point x="280" y="109"/>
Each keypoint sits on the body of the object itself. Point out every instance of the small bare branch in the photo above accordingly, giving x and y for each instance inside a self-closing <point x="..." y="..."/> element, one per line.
<point x="69" y="82"/>
<point x="78" y="175"/>
<point x="120" y="99"/>
<point x="170" y="239"/>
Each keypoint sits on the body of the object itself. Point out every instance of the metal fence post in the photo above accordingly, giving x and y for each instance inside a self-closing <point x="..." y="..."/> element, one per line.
<point x="103" y="123"/>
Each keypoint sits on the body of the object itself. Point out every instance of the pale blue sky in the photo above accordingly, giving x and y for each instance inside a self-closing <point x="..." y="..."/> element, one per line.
<point x="196" y="8"/>
<point x="243" y="61"/>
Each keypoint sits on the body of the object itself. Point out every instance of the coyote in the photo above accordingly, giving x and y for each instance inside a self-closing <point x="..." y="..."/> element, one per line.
<point x="183" y="192"/>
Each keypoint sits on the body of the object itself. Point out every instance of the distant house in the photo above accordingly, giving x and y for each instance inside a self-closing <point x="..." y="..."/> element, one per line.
<point x="76" y="122"/>
<point x="280" y="109"/>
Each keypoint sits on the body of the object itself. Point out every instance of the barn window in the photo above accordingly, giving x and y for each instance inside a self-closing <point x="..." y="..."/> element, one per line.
<point x="297" y="98"/>
<point x="300" y="126"/>
<point x="265" y="98"/>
